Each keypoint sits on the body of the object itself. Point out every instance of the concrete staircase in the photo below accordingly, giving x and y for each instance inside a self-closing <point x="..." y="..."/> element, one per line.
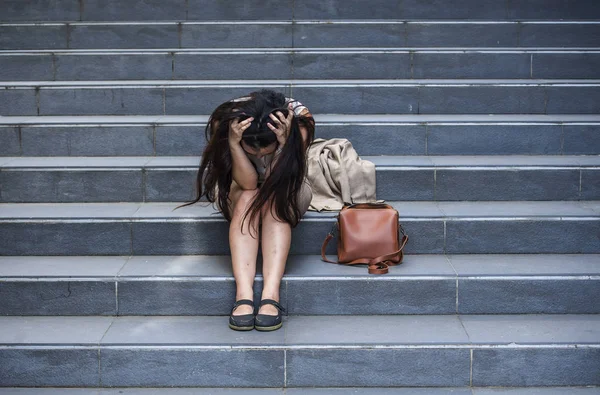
<point x="483" y="120"/>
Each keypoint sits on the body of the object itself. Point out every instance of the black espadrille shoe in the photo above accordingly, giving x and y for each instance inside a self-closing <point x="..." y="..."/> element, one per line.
<point x="243" y="322"/>
<point x="264" y="322"/>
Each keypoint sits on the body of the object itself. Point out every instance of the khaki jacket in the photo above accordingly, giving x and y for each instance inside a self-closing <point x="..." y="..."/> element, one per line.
<point x="337" y="175"/>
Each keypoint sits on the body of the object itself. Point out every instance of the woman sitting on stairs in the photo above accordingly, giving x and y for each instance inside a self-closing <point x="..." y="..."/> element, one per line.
<point x="254" y="168"/>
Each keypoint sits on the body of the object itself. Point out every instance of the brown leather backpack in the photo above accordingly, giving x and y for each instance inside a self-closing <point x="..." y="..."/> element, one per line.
<point x="369" y="233"/>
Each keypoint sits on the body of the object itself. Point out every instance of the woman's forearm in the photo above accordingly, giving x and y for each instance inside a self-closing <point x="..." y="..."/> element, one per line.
<point x="243" y="171"/>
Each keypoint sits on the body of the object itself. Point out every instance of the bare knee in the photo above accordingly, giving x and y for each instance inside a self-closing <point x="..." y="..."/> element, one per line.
<point x="244" y="200"/>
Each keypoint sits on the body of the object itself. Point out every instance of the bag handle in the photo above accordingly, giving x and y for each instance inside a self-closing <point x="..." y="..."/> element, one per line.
<point x="378" y="265"/>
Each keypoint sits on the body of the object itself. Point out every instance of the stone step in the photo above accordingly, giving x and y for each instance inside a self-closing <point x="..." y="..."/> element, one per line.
<point x="204" y="285"/>
<point x="180" y="10"/>
<point x="304" y="34"/>
<point x="388" y="134"/>
<point x="328" y="96"/>
<point x="158" y="229"/>
<point x="588" y="390"/>
<point x="401" y="178"/>
<point x="301" y="64"/>
<point x="176" y="351"/>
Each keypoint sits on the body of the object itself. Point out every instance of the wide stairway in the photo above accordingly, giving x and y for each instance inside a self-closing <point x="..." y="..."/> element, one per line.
<point x="482" y="117"/>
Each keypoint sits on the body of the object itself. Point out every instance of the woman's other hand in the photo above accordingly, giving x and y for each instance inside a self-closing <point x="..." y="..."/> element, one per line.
<point x="281" y="126"/>
<point x="236" y="129"/>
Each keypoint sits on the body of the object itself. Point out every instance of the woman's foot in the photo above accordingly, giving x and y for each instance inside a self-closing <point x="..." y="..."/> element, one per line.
<point x="269" y="322"/>
<point x="241" y="321"/>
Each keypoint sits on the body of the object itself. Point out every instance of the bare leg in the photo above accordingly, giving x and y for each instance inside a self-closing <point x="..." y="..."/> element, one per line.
<point x="276" y="240"/>
<point x="244" y="248"/>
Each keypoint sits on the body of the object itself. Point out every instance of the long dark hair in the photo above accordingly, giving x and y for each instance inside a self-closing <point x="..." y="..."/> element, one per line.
<point x="286" y="178"/>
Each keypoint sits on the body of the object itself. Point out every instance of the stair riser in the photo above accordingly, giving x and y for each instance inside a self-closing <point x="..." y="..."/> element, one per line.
<point x="303" y="296"/>
<point x="300" y="35"/>
<point x="152" y="185"/>
<point x="558" y="235"/>
<point x="400" y="139"/>
<point x="301" y="367"/>
<point x="98" y="10"/>
<point x="360" y="99"/>
<point x="239" y="66"/>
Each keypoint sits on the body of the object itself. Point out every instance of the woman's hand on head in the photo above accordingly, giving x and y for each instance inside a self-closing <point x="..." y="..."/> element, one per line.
<point x="236" y="129"/>
<point x="281" y="125"/>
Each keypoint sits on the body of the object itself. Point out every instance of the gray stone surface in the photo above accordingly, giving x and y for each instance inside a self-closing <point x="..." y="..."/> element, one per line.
<point x="484" y="99"/>
<point x="180" y="297"/>
<point x="90" y="163"/>
<point x="536" y="367"/>
<point x="432" y="243"/>
<point x="581" y="139"/>
<point x="192" y="367"/>
<point x="508" y="296"/>
<point x="26" y="68"/>
<point x="494" y="139"/>
<point x="405" y="184"/>
<point x="378" y="390"/>
<point x="233" y="66"/>
<point x="39" y="10"/>
<point x="53" y="330"/>
<point x="112" y="238"/>
<point x="42" y="211"/>
<point x="590" y="184"/>
<point x="514" y="209"/>
<point x="9" y="141"/>
<point x="18" y="102"/>
<point x="172" y="238"/>
<point x="33" y="37"/>
<point x="399" y="9"/>
<point x="58" y="298"/>
<point x="538" y="391"/>
<point x="180" y="140"/>
<point x="184" y="331"/>
<point x="170" y="185"/>
<point x="378" y="139"/>
<point x="565" y="65"/>
<point x="532" y="329"/>
<point x="265" y="10"/>
<point x="114" y="67"/>
<point x="510" y="184"/>
<point x="71" y="186"/>
<point x="351" y="65"/>
<point x="49" y="367"/>
<point x="61" y="266"/>
<point x="107" y="36"/>
<point x="101" y="101"/>
<point x="559" y="35"/>
<point x="521" y="236"/>
<point x="360" y="35"/>
<point x="136" y="10"/>
<point x="88" y="141"/>
<point x="390" y="330"/>
<point x="461" y="35"/>
<point x="207" y="266"/>
<point x="227" y="35"/>
<point x="361" y="99"/>
<point x="552" y="9"/>
<point x="313" y="367"/>
<point x="525" y="265"/>
<point x="410" y="296"/>
<point x="147" y="391"/>
<point x="202" y="100"/>
<point x="470" y="65"/>
<point x="573" y="99"/>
